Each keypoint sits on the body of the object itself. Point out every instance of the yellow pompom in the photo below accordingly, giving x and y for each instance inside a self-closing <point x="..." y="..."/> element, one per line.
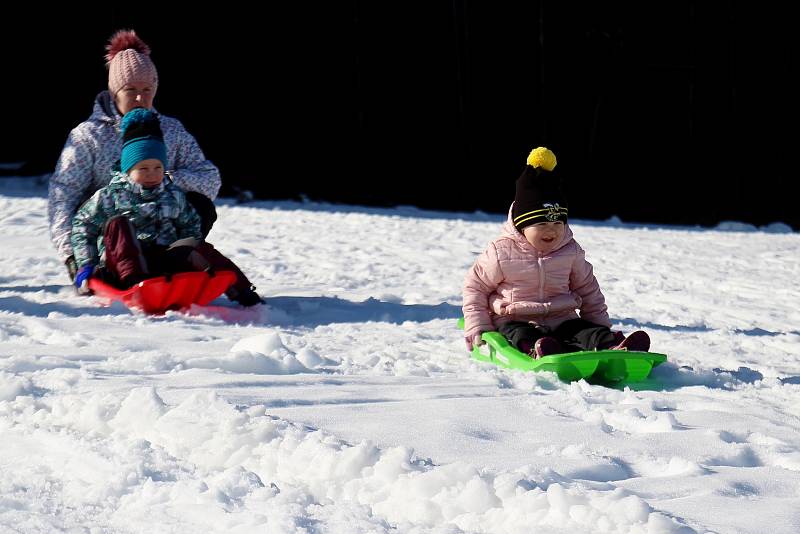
<point x="542" y="157"/>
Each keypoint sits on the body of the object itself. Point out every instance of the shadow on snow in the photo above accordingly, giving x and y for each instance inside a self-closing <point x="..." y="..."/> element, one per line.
<point x="315" y="311"/>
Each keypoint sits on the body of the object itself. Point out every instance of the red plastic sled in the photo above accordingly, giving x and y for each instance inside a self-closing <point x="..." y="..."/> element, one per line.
<point x="157" y="295"/>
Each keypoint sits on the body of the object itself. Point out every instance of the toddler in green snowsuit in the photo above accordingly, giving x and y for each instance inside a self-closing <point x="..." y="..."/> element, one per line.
<point x="141" y="225"/>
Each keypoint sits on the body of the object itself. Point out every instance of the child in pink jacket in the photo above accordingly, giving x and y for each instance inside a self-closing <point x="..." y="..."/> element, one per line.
<point x="530" y="281"/>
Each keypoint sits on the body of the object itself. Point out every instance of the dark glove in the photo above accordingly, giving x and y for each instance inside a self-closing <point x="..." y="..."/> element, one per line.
<point x="72" y="267"/>
<point x="82" y="279"/>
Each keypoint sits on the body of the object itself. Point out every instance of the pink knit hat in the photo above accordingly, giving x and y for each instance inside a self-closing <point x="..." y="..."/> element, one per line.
<point x="128" y="61"/>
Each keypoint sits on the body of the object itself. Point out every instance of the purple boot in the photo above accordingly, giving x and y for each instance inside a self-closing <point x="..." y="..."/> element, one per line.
<point x="637" y="341"/>
<point x="545" y="346"/>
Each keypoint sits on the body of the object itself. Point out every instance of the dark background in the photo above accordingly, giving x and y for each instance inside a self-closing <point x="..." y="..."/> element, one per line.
<point x="678" y="112"/>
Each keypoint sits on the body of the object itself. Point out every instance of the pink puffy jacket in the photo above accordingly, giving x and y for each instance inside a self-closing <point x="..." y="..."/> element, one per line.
<point x="512" y="281"/>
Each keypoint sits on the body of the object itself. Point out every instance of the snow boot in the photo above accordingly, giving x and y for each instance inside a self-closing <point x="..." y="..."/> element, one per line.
<point x="246" y="297"/>
<point x="637" y="341"/>
<point x="545" y="346"/>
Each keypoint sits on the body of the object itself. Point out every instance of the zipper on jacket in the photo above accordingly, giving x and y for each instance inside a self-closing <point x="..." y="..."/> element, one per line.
<point x="541" y="279"/>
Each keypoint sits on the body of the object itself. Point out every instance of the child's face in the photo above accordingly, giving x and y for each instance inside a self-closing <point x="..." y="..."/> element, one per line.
<point x="544" y="235"/>
<point x="147" y="173"/>
<point x="135" y="95"/>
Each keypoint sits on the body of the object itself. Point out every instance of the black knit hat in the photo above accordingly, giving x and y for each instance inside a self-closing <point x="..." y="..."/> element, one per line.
<point x="539" y="197"/>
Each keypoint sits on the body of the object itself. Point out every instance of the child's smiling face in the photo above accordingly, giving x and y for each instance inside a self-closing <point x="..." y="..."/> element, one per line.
<point x="544" y="236"/>
<point x="148" y="173"/>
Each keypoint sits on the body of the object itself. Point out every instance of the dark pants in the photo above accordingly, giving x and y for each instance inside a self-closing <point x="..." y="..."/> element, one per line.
<point x="128" y="262"/>
<point x="125" y="263"/>
<point x="219" y="262"/>
<point x="574" y="335"/>
<point x="204" y="208"/>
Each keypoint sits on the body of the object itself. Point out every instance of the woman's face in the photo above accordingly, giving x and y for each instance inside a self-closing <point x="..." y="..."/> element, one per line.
<point x="135" y="95"/>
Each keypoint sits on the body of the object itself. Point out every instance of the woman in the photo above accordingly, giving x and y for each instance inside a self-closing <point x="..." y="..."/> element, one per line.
<point x="147" y="226"/>
<point x="93" y="148"/>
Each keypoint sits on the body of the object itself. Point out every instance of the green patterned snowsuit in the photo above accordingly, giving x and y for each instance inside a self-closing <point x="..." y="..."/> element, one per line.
<point x="160" y="216"/>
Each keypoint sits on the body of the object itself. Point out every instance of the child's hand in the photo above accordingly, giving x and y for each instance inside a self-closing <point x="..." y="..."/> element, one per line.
<point x="82" y="280"/>
<point x="474" y="341"/>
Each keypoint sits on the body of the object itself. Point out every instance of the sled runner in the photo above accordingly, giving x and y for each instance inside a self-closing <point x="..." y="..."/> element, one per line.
<point x="600" y="365"/>
<point x="157" y="295"/>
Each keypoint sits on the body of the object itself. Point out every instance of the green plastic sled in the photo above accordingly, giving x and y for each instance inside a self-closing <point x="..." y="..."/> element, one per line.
<point x="599" y="366"/>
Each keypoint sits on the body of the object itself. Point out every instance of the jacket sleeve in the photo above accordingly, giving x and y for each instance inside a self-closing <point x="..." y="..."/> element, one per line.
<point x="559" y="303"/>
<point x="69" y="185"/>
<point x="479" y="283"/>
<point x="191" y="170"/>
<point x="583" y="282"/>
<point x="86" y="227"/>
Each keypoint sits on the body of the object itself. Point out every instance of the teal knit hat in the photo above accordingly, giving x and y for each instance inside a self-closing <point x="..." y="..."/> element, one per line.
<point x="142" y="139"/>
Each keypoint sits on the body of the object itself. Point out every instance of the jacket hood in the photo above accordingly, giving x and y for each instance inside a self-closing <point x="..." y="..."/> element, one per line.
<point x="105" y="110"/>
<point x="509" y="230"/>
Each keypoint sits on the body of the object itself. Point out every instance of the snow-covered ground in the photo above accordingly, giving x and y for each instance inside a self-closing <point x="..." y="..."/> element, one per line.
<point x="348" y="404"/>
